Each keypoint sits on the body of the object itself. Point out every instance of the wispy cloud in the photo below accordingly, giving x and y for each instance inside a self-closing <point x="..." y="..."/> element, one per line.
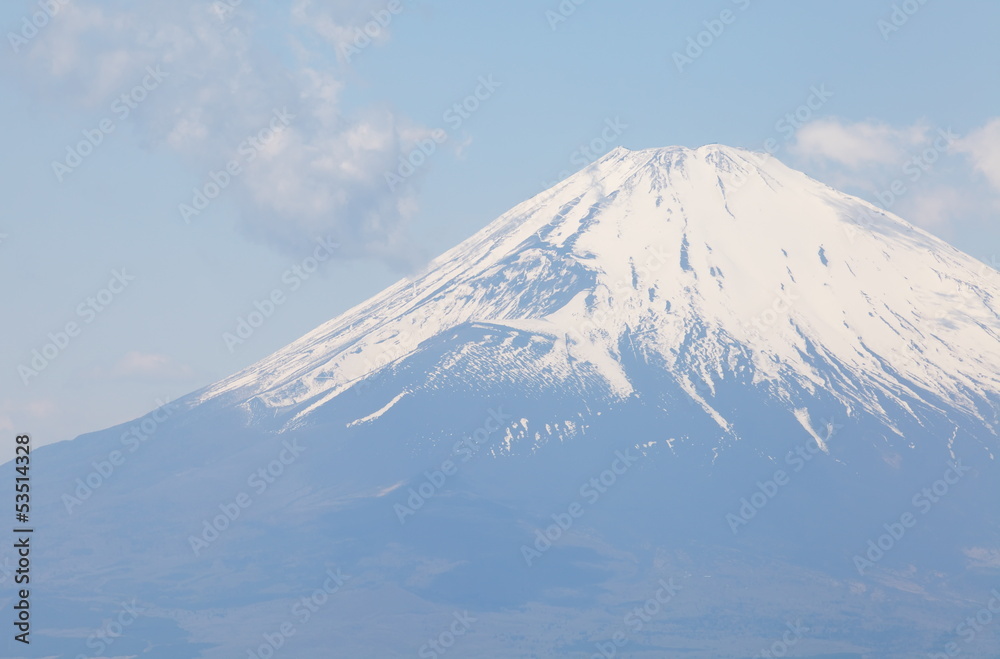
<point x="982" y="146"/>
<point x="227" y="73"/>
<point x="938" y="206"/>
<point x="147" y="367"/>
<point x="857" y="144"/>
<point x="924" y="173"/>
<point x="21" y="415"/>
<point x="136" y="364"/>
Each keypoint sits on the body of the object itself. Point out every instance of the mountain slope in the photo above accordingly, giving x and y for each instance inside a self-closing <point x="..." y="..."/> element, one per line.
<point x="692" y="367"/>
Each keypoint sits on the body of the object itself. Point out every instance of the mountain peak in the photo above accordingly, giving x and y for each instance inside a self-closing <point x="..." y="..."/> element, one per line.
<point x="720" y="156"/>
<point x="677" y="168"/>
<point x="675" y="150"/>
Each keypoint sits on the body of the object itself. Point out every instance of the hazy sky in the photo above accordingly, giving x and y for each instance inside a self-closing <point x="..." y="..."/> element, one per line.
<point x="169" y="165"/>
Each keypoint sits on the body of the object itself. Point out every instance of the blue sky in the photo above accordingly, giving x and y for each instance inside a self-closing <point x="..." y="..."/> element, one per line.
<point x="309" y="118"/>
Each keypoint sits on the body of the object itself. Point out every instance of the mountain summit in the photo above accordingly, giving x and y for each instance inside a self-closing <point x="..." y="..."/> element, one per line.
<point x="694" y="379"/>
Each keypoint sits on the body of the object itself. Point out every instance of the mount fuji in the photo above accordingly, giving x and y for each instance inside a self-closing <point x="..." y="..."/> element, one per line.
<point x="687" y="402"/>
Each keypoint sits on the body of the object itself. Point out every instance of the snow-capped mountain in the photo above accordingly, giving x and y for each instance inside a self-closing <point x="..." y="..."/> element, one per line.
<point x="713" y="264"/>
<point x="633" y="355"/>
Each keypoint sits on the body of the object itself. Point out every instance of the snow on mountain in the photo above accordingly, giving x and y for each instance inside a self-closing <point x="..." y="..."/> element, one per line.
<point x="694" y="257"/>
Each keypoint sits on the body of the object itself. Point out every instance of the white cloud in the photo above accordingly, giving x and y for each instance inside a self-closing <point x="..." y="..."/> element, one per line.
<point x="923" y="173"/>
<point x="857" y="144"/>
<point x="348" y="25"/>
<point x="136" y="364"/>
<point x="983" y="147"/>
<point x="937" y="207"/>
<point x="323" y="175"/>
<point x="22" y="414"/>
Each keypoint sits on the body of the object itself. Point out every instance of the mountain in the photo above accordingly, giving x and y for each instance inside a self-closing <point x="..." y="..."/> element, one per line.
<point x="689" y="402"/>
